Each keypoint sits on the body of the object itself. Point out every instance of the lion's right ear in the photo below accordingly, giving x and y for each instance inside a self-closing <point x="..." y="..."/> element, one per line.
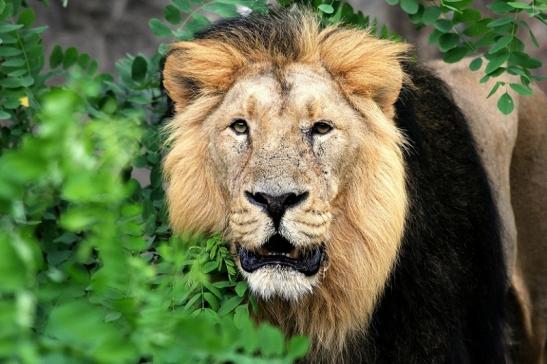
<point x="364" y="65"/>
<point x="200" y="67"/>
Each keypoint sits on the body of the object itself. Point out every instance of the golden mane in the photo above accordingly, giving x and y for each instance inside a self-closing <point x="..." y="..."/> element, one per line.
<point x="369" y="213"/>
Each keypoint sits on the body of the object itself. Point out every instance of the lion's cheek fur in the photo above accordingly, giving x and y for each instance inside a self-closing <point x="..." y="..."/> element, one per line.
<point x="190" y="177"/>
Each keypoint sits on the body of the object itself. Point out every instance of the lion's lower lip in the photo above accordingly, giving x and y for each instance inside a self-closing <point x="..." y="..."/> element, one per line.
<point x="307" y="262"/>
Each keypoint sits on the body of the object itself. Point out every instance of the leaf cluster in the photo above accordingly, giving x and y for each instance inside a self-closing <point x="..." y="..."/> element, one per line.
<point x="460" y="30"/>
<point x="89" y="271"/>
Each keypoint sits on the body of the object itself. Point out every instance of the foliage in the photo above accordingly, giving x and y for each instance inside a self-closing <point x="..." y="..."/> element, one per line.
<point x="89" y="271"/>
<point x="460" y="30"/>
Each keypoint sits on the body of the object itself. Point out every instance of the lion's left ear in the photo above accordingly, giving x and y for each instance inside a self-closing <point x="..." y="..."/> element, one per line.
<point x="363" y="64"/>
<point x="198" y="68"/>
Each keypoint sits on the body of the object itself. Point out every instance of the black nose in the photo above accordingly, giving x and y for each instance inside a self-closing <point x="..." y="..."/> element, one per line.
<point x="276" y="205"/>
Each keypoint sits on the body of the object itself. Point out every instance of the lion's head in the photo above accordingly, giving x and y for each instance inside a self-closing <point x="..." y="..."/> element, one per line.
<point x="283" y="139"/>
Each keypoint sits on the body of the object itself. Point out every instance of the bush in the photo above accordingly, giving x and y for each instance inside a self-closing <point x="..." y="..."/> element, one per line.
<point x="89" y="271"/>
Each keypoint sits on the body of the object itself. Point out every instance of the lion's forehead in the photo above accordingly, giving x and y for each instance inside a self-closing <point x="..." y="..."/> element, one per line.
<point x="302" y="94"/>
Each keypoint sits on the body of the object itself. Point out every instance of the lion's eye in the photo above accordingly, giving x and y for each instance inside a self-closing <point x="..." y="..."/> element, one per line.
<point x="239" y="126"/>
<point x="321" y="128"/>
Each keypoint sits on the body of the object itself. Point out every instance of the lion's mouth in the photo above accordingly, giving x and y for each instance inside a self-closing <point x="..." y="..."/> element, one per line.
<point x="278" y="251"/>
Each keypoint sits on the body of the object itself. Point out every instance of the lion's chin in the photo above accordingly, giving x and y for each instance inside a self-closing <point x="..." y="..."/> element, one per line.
<point x="286" y="283"/>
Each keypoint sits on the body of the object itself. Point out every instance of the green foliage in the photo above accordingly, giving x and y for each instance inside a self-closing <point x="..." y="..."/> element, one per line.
<point x="333" y="12"/>
<point x="459" y="30"/>
<point x="89" y="271"/>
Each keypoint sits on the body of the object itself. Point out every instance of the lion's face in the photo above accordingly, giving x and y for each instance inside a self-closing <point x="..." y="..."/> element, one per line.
<point x="282" y="152"/>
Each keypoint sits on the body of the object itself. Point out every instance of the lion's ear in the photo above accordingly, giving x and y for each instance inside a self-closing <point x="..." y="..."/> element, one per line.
<point x="364" y="64"/>
<point x="197" y="68"/>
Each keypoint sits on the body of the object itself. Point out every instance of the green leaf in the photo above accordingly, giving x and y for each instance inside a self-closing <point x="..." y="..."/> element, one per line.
<point x="443" y="25"/>
<point x="516" y="70"/>
<point x="434" y="36"/>
<point x="13" y="274"/>
<point x="501" y="43"/>
<point x="448" y="41"/>
<point x="9" y="51"/>
<point x="506" y="104"/>
<point x="67" y="238"/>
<point x="17" y="73"/>
<point x="183" y="5"/>
<point x="521" y="89"/>
<point x="431" y="14"/>
<point x="211" y="300"/>
<point x="326" y="8"/>
<point x="475" y="64"/>
<point x="392" y="2"/>
<point x="16" y="82"/>
<point x="410" y="6"/>
<point x="524" y="60"/>
<point x="209" y="267"/>
<point x="172" y="14"/>
<point x="70" y="58"/>
<point x="76" y="220"/>
<point x="478" y="28"/>
<point x="56" y="57"/>
<point x="298" y="347"/>
<point x="455" y="54"/>
<point x="198" y="22"/>
<point x="27" y="17"/>
<point x="4" y="115"/>
<point x="468" y="16"/>
<point x="14" y="62"/>
<point x="495" y="88"/>
<point x="499" y="7"/>
<point x="224" y="10"/>
<point x="241" y="288"/>
<point x="241" y="317"/>
<point x="159" y="29"/>
<point x="139" y="68"/>
<point x="229" y="305"/>
<point x="496" y="61"/>
<point x="519" y="5"/>
<point x="6" y="28"/>
<point x="83" y="60"/>
<point x="270" y="339"/>
<point x="500" y="22"/>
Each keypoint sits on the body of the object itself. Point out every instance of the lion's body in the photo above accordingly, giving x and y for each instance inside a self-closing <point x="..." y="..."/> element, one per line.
<point x="514" y="152"/>
<point x="385" y="187"/>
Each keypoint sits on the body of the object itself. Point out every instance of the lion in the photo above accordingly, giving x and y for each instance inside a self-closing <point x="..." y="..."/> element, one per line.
<point x="350" y="188"/>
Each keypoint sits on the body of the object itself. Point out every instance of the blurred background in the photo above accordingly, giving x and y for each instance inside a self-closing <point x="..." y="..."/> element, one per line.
<point x="109" y="29"/>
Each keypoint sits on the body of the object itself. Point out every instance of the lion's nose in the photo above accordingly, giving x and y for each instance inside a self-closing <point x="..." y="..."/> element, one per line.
<point x="276" y="205"/>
